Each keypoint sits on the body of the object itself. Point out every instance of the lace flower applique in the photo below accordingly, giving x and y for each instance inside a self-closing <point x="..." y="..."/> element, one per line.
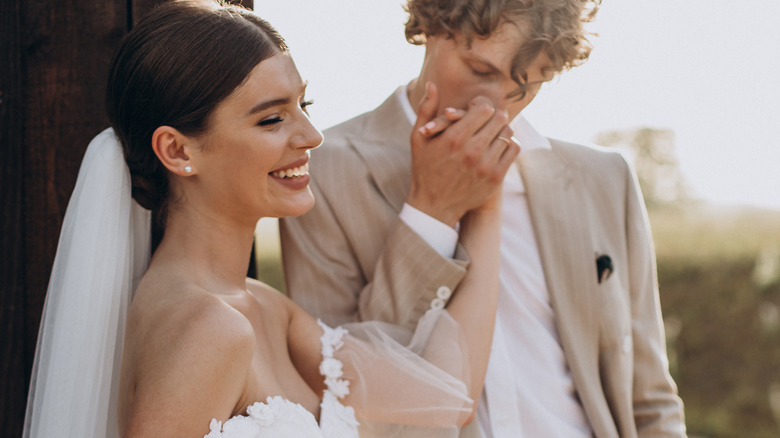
<point x="336" y="420"/>
<point x="237" y="427"/>
<point x="276" y="416"/>
<point x="331" y="367"/>
<point x="262" y="412"/>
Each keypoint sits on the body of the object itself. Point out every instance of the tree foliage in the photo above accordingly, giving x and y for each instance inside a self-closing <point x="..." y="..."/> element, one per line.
<point x="655" y="161"/>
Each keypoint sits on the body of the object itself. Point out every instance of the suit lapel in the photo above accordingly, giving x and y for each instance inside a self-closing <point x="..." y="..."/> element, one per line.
<point x="383" y="143"/>
<point x="555" y="192"/>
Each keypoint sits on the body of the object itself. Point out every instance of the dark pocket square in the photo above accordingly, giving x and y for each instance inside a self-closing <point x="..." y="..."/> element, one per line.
<point x="603" y="267"/>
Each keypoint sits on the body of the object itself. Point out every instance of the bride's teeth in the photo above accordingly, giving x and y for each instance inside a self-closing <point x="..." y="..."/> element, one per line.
<point x="293" y="172"/>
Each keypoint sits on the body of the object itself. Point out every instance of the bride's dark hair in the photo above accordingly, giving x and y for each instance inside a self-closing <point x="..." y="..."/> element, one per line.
<point x="173" y="68"/>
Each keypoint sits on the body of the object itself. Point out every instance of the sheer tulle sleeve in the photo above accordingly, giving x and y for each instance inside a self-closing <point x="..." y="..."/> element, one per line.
<point x="402" y="383"/>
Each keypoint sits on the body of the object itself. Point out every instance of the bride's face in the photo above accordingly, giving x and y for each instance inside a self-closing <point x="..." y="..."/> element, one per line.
<point x="253" y="160"/>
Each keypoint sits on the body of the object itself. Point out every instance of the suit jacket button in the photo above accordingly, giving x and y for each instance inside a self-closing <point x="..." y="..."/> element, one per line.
<point x="627" y="344"/>
<point x="444" y="292"/>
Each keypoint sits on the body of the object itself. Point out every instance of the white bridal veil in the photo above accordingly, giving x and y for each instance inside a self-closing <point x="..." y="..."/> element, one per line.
<point x="103" y="251"/>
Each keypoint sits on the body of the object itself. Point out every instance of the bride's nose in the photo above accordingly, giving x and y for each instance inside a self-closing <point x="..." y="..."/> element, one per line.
<point x="308" y="136"/>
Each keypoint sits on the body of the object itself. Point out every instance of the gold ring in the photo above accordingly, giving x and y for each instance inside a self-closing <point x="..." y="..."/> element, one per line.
<point x="504" y="139"/>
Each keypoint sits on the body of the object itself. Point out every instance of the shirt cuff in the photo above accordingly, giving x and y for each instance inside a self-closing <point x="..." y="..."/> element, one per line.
<point x="440" y="236"/>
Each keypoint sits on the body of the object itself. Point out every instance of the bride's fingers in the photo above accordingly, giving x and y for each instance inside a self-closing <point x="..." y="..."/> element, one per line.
<point x="426" y="113"/>
<point x="442" y="122"/>
<point x="454" y="114"/>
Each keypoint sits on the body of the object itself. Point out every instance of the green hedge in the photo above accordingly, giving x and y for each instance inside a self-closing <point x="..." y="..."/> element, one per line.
<point x="719" y="275"/>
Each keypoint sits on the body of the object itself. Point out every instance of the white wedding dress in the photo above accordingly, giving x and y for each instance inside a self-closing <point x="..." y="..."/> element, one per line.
<point x="405" y="379"/>
<point x="279" y="417"/>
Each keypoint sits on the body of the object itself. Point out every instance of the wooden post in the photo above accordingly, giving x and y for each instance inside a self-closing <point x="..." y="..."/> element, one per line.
<point x="13" y="367"/>
<point x="55" y="59"/>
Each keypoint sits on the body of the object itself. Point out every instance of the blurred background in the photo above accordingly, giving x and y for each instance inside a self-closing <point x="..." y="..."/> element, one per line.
<point x="689" y="91"/>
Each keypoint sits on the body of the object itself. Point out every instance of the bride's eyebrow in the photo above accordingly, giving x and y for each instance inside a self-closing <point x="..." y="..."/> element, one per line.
<point x="274" y="102"/>
<point x="268" y="104"/>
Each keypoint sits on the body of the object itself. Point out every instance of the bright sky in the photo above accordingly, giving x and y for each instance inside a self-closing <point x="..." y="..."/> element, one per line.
<point x="708" y="70"/>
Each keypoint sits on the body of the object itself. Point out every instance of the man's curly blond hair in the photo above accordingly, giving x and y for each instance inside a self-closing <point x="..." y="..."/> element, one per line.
<point x="553" y="26"/>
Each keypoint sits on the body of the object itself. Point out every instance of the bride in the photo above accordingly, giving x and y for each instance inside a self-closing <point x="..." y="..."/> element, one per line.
<point x="210" y="112"/>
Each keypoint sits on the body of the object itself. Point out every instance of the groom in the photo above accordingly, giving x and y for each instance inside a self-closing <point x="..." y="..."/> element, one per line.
<point x="579" y="346"/>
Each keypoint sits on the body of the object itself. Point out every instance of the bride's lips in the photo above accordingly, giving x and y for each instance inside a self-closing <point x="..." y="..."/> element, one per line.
<point x="294" y="175"/>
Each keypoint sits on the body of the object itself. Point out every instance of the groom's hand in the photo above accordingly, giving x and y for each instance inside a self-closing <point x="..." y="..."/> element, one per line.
<point x="459" y="159"/>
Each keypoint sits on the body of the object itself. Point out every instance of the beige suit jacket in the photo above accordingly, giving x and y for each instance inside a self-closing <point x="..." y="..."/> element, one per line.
<point x="352" y="258"/>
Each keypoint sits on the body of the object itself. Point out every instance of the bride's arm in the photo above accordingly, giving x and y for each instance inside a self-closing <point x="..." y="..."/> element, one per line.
<point x="473" y="304"/>
<point x="432" y="377"/>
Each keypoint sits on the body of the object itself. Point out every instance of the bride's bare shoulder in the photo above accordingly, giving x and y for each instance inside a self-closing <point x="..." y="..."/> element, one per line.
<point x="179" y="314"/>
<point x="184" y="347"/>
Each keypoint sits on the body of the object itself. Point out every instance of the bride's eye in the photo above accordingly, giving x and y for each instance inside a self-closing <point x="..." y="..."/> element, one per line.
<point x="270" y="121"/>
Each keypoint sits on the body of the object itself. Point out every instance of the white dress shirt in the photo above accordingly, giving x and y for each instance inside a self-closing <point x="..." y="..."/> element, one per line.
<point x="529" y="391"/>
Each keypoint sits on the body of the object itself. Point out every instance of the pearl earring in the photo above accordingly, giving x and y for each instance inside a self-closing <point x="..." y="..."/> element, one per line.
<point x="187" y="169"/>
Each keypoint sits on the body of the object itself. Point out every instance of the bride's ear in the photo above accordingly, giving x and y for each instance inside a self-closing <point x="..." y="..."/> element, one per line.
<point x="172" y="149"/>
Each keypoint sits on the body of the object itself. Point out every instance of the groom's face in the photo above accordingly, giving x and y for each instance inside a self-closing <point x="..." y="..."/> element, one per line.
<point x="462" y="71"/>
